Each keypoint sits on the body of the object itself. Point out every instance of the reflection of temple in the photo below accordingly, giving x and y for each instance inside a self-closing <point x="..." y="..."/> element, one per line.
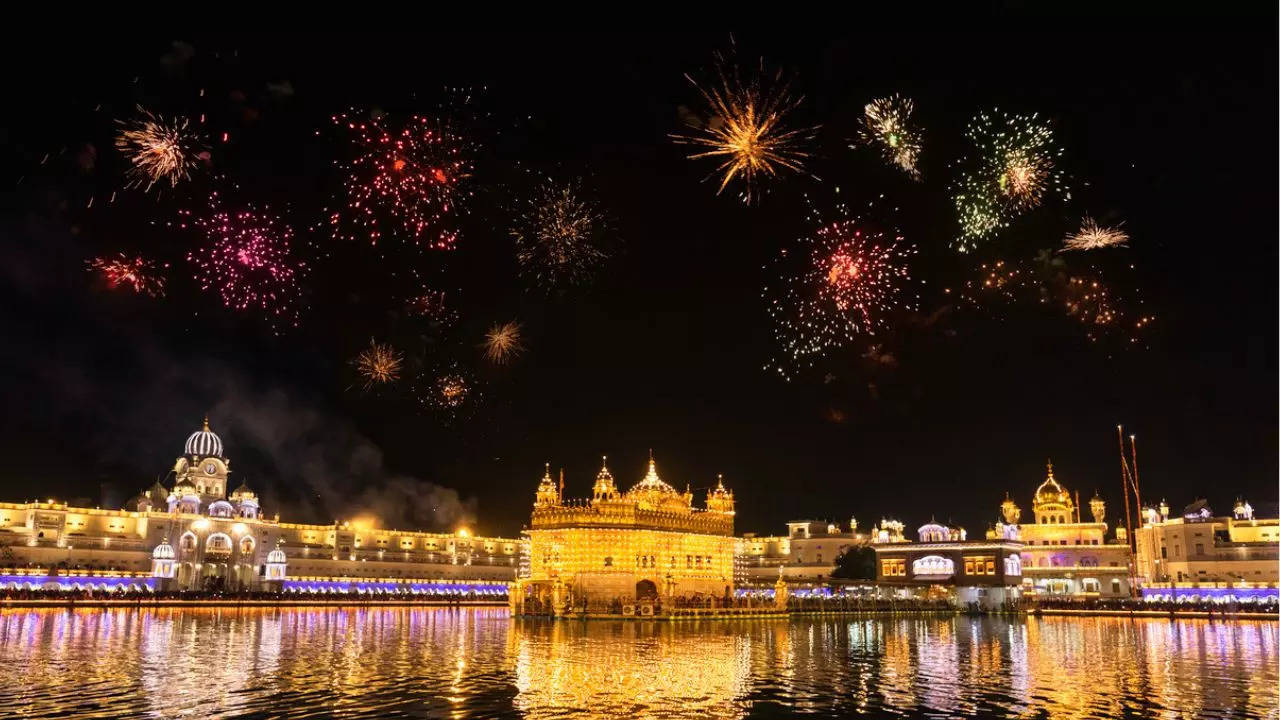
<point x="194" y="535"/>
<point x="603" y="670"/>
<point x="636" y="548"/>
<point x="1062" y="554"/>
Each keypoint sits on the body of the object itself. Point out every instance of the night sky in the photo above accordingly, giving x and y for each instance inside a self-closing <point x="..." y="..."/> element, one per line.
<point x="1168" y="126"/>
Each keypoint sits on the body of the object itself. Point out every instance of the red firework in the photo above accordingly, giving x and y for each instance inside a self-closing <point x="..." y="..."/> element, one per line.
<point x="406" y="180"/>
<point x="137" y="272"/>
<point x="833" y="286"/>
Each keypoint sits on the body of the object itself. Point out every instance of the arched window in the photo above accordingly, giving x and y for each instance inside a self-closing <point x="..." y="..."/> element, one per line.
<point x="933" y="566"/>
<point x="217" y="544"/>
<point x="187" y="543"/>
<point x="608" y="561"/>
<point x="246" y="545"/>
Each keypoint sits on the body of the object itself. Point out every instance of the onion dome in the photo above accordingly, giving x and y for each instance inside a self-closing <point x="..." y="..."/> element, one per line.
<point x="1098" y="508"/>
<point x="1051" y="492"/>
<point x="720" y="499"/>
<point x="1010" y="511"/>
<point x="204" y="442"/>
<point x="720" y="491"/>
<point x="276" y="557"/>
<point x="547" y="493"/>
<point x="651" y="482"/>
<point x="604" y="487"/>
<point x="163" y="551"/>
<point x="243" y="493"/>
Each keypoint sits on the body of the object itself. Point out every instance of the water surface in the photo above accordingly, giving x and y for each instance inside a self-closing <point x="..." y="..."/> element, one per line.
<point x="479" y="663"/>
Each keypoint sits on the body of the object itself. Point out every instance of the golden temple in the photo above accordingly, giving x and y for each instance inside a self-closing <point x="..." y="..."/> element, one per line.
<point x="626" y="552"/>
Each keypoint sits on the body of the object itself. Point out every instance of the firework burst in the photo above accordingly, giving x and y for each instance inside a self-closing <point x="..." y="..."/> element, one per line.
<point x="558" y="235"/>
<point x="834" y="285"/>
<point x="451" y="392"/>
<point x="406" y="179"/>
<point x="887" y="127"/>
<point x="503" y="343"/>
<point x="137" y="272"/>
<point x="1093" y="237"/>
<point x="1012" y="168"/>
<point x="159" y="149"/>
<point x="432" y="306"/>
<point x="746" y="129"/>
<point x="247" y="261"/>
<point x="378" y="364"/>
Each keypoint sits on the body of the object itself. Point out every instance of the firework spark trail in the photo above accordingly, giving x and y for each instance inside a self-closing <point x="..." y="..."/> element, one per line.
<point x="1092" y="237"/>
<point x="247" y="261"/>
<point x="137" y="272"/>
<point x="159" y="149"/>
<point x="1082" y="296"/>
<point x="887" y="127"/>
<point x="834" y="285"/>
<point x="1013" y="165"/>
<point x="378" y="364"/>
<point x="408" y="180"/>
<point x="557" y="235"/>
<point x="746" y="130"/>
<point x="503" y="343"/>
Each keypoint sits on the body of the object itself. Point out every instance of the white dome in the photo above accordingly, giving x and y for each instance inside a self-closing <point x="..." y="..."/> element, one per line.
<point x="204" y="442"/>
<point x="163" y="551"/>
<point x="276" y="557"/>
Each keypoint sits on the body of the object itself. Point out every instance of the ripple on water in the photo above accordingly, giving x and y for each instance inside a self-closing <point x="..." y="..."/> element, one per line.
<point x="479" y="663"/>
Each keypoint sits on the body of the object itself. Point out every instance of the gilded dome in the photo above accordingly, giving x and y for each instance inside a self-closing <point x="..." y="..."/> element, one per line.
<point x="276" y="557"/>
<point x="651" y="483"/>
<point x="204" y="442"/>
<point x="1050" y="492"/>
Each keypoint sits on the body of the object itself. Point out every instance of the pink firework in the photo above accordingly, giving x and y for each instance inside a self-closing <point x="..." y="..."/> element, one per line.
<point x="248" y="262"/>
<point x="406" y="179"/>
<point x="137" y="272"/>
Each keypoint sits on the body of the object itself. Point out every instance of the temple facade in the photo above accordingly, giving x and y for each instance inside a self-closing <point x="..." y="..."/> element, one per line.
<point x="1199" y="549"/>
<point x="1063" y="554"/>
<point x="629" y="552"/>
<point x="194" y="535"/>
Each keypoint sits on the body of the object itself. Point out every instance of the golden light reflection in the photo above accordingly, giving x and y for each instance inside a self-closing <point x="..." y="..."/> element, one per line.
<point x="480" y="663"/>
<point x="627" y="669"/>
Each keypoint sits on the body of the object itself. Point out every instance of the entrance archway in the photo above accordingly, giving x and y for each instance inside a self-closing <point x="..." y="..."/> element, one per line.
<point x="646" y="590"/>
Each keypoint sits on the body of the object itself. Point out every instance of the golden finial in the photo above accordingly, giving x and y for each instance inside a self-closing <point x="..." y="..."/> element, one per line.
<point x="206" y="422"/>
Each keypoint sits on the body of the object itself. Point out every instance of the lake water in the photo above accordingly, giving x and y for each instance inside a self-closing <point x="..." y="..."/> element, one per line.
<point x="480" y="663"/>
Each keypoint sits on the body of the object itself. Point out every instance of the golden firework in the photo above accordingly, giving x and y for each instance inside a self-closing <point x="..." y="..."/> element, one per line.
<point x="378" y="364"/>
<point x="502" y="343"/>
<point x="557" y="235"/>
<point x="159" y="149"/>
<point x="1092" y="237"/>
<point x="746" y="130"/>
